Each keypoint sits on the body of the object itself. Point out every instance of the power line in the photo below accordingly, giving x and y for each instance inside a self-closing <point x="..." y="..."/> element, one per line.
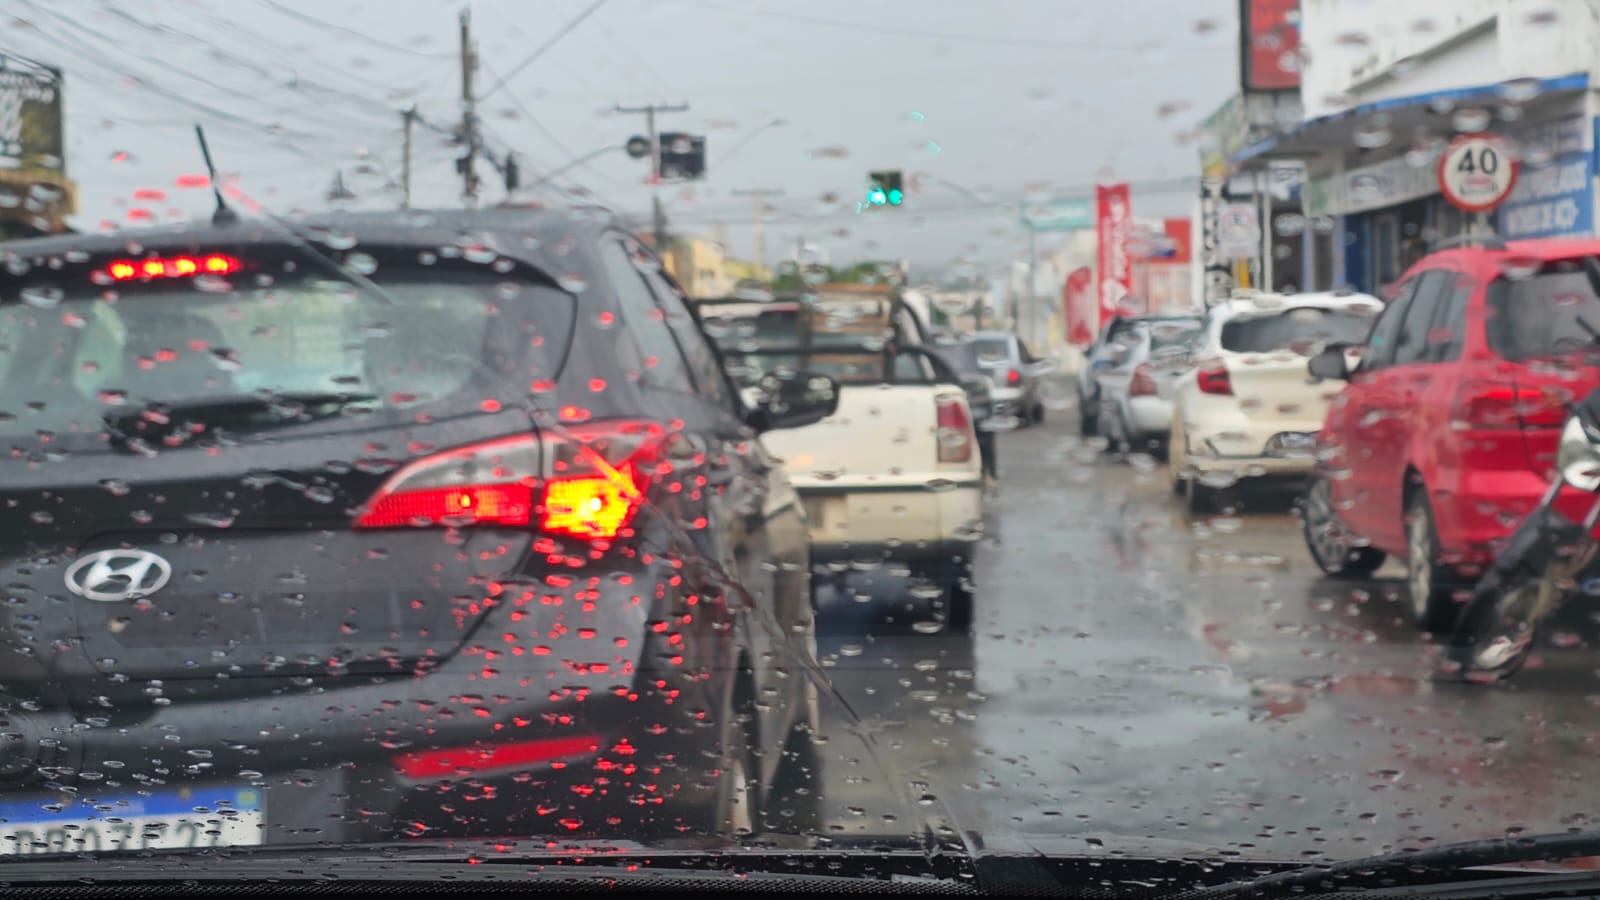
<point x="359" y="35"/>
<point x="922" y="33"/>
<point x="515" y="70"/>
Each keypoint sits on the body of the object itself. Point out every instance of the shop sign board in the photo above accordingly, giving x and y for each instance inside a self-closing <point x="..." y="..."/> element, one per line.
<point x="1554" y="200"/>
<point x="1477" y="172"/>
<point x="1238" y="232"/>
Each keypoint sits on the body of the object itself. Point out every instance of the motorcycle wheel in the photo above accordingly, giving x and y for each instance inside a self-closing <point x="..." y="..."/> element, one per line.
<point x="1496" y="632"/>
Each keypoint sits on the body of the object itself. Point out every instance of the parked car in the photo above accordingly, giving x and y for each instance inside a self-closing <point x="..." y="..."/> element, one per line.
<point x="1099" y="357"/>
<point x="1136" y="390"/>
<point x="895" y="474"/>
<point x="468" y="516"/>
<point x="1015" y="373"/>
<point x="1246" y="410"/>
<point x="1446" y="428"/>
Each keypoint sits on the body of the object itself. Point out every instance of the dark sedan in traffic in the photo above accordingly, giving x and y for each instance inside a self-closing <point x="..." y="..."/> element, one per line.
<point x="449" y="520"/>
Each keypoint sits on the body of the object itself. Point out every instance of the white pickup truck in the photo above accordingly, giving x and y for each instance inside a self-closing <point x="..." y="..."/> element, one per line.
<point x="894" y="475"/>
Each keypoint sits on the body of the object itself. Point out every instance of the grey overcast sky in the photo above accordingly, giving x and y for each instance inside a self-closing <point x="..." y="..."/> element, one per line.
<point x="996" y="97"/>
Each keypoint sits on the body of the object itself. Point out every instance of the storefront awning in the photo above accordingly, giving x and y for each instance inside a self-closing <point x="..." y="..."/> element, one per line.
<point x="1404" y="115"/>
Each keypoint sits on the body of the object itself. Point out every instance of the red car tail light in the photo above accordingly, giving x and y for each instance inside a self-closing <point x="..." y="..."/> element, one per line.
<point x="1013" y="377"/>
<point x="954" y="435"/>
<point x="1142" y="384"/>
<point x="1212" y="378"/>
<point x="1504" y="405"/>
<point x="484" y="759"/>
<point x="588" y="482"/>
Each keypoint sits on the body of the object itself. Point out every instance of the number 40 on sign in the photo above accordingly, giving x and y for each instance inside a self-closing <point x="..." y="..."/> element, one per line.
<point x="1477" y="172"/>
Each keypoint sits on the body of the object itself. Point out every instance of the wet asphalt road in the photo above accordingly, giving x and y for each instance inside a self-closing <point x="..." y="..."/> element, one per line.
<point x="1135" y="672"/>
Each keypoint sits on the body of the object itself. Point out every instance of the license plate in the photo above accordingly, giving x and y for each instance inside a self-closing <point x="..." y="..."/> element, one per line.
<point x="169" y="820"/>
<point x="1292" y="442"/>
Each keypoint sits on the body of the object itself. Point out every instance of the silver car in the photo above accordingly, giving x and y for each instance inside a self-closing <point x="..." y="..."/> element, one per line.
<point x="1015" y="373"/>
<point x="1138" y="388"/>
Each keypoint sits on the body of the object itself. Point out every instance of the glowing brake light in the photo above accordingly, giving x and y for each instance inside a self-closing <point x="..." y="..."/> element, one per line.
<point x="172" y="267"/>
<point x="1013" y="378"/>
<point x="589" y="483"/>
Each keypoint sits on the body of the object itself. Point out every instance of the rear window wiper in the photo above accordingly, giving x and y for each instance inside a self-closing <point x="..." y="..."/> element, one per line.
<point x="254" y="410"/>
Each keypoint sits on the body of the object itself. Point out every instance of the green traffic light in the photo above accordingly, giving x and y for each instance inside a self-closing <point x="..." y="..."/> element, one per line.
<point x="895" y="197"/>
<point x="877" y="197"/>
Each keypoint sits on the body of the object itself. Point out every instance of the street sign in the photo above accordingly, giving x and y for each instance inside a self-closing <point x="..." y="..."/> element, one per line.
<point x="638" y="146"/>
<point x="1238" y="232"/>
<point x="1057" y="215"/>
<point x="1477" y="172"/>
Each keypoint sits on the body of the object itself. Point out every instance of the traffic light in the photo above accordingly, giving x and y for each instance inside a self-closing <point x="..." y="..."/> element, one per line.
<point x="682" y="155"/>
<point x="885" y="188"/>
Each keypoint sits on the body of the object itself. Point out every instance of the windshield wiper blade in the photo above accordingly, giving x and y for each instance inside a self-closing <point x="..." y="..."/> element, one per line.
<point x="1449" y="861"/>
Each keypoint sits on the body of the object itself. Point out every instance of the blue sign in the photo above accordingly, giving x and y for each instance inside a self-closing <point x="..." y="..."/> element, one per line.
<point x="1552" y="200"/>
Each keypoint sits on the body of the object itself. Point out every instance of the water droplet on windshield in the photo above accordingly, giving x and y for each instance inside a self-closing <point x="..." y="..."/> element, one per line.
<point x="361" y="263"/>
<point x="43" y="296"/>
<point x="1471" y="119"/>
<point x="572" y="283"/>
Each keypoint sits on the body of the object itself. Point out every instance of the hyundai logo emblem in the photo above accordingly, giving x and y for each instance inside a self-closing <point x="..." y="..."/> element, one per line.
<point x="112" y="575"/>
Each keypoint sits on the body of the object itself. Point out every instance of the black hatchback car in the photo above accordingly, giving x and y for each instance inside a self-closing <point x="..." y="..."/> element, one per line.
<point x="452" y="517"/>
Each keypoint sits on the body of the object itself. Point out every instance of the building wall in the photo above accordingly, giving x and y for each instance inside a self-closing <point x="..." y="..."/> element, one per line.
<point x="1366" y="50"/>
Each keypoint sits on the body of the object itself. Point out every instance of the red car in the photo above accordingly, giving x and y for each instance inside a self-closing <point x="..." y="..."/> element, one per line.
<point x="1444" y="435"/>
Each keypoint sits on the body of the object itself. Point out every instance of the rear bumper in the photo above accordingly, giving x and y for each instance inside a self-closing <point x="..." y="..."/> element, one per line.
<point x="1149" y="416"/>
<point x="1222" y="438"/>
<point x="900" y="521"/>
<point x="566" y="658"/>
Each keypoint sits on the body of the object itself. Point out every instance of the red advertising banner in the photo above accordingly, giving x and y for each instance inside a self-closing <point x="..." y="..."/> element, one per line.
<point x="1082" y="312"/>
<point x="1181" y="235"/>
<point x="1113" y="227"/>
<point x="1270" y="44"/>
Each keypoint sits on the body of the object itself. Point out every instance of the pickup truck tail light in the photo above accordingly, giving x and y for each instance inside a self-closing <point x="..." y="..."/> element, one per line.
<point x="587" y="483"/>
<point x="1142" y="384"/>
<point x="1013" y="377"/>
<point x="954" y="433"/>
<point x="1212" y="378"/>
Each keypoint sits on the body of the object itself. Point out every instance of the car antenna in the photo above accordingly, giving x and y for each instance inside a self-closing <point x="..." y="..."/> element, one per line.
<point x="225" y="214"/>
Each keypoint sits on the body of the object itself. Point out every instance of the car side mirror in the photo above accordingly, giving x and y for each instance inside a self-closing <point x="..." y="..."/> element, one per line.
<point x="792" y="400"/>
<point x="1331" y="364"/>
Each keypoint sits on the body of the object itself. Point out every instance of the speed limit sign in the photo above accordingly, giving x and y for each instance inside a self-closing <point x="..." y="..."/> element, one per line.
<point x="1477" y="172"/>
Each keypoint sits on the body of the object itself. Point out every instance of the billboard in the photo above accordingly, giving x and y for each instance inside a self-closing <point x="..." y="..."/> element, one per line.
<point x="32" y="150"/>
<point x="1269" y="45"/>
<point x="1114" y="230"/>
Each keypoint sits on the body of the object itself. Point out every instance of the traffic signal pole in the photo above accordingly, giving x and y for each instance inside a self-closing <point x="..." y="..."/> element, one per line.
<point x="658" y="214"/>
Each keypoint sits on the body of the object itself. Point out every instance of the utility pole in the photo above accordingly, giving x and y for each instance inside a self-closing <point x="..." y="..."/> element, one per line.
<point x="759" y="196"/>
<point x="469" y="118"/>
<point x="660" y="217"/>
<point x="408" y="118"/>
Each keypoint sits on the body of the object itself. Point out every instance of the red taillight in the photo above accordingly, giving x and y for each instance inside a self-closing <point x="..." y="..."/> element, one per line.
<point x="483" y="759"/>
<point x="1212" y="378"/>
<point x="1142" y="384"/>
<point x="1013" y="378"/>
<point x="588" y="483"/>
<point x="1502" y="405"/>
<point x="172" y="267"/>
<point x="954" y="435"/>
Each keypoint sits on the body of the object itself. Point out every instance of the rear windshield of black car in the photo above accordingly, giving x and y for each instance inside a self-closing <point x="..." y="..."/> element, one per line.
<point x="1555" y="311"/>
<point x="429" y="340"/>
<point x="1280" y="331"/>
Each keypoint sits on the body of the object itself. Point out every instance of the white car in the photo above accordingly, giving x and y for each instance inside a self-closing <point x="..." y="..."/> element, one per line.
<point x="1247" y="409"/>
<point x="895" y="473"/>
